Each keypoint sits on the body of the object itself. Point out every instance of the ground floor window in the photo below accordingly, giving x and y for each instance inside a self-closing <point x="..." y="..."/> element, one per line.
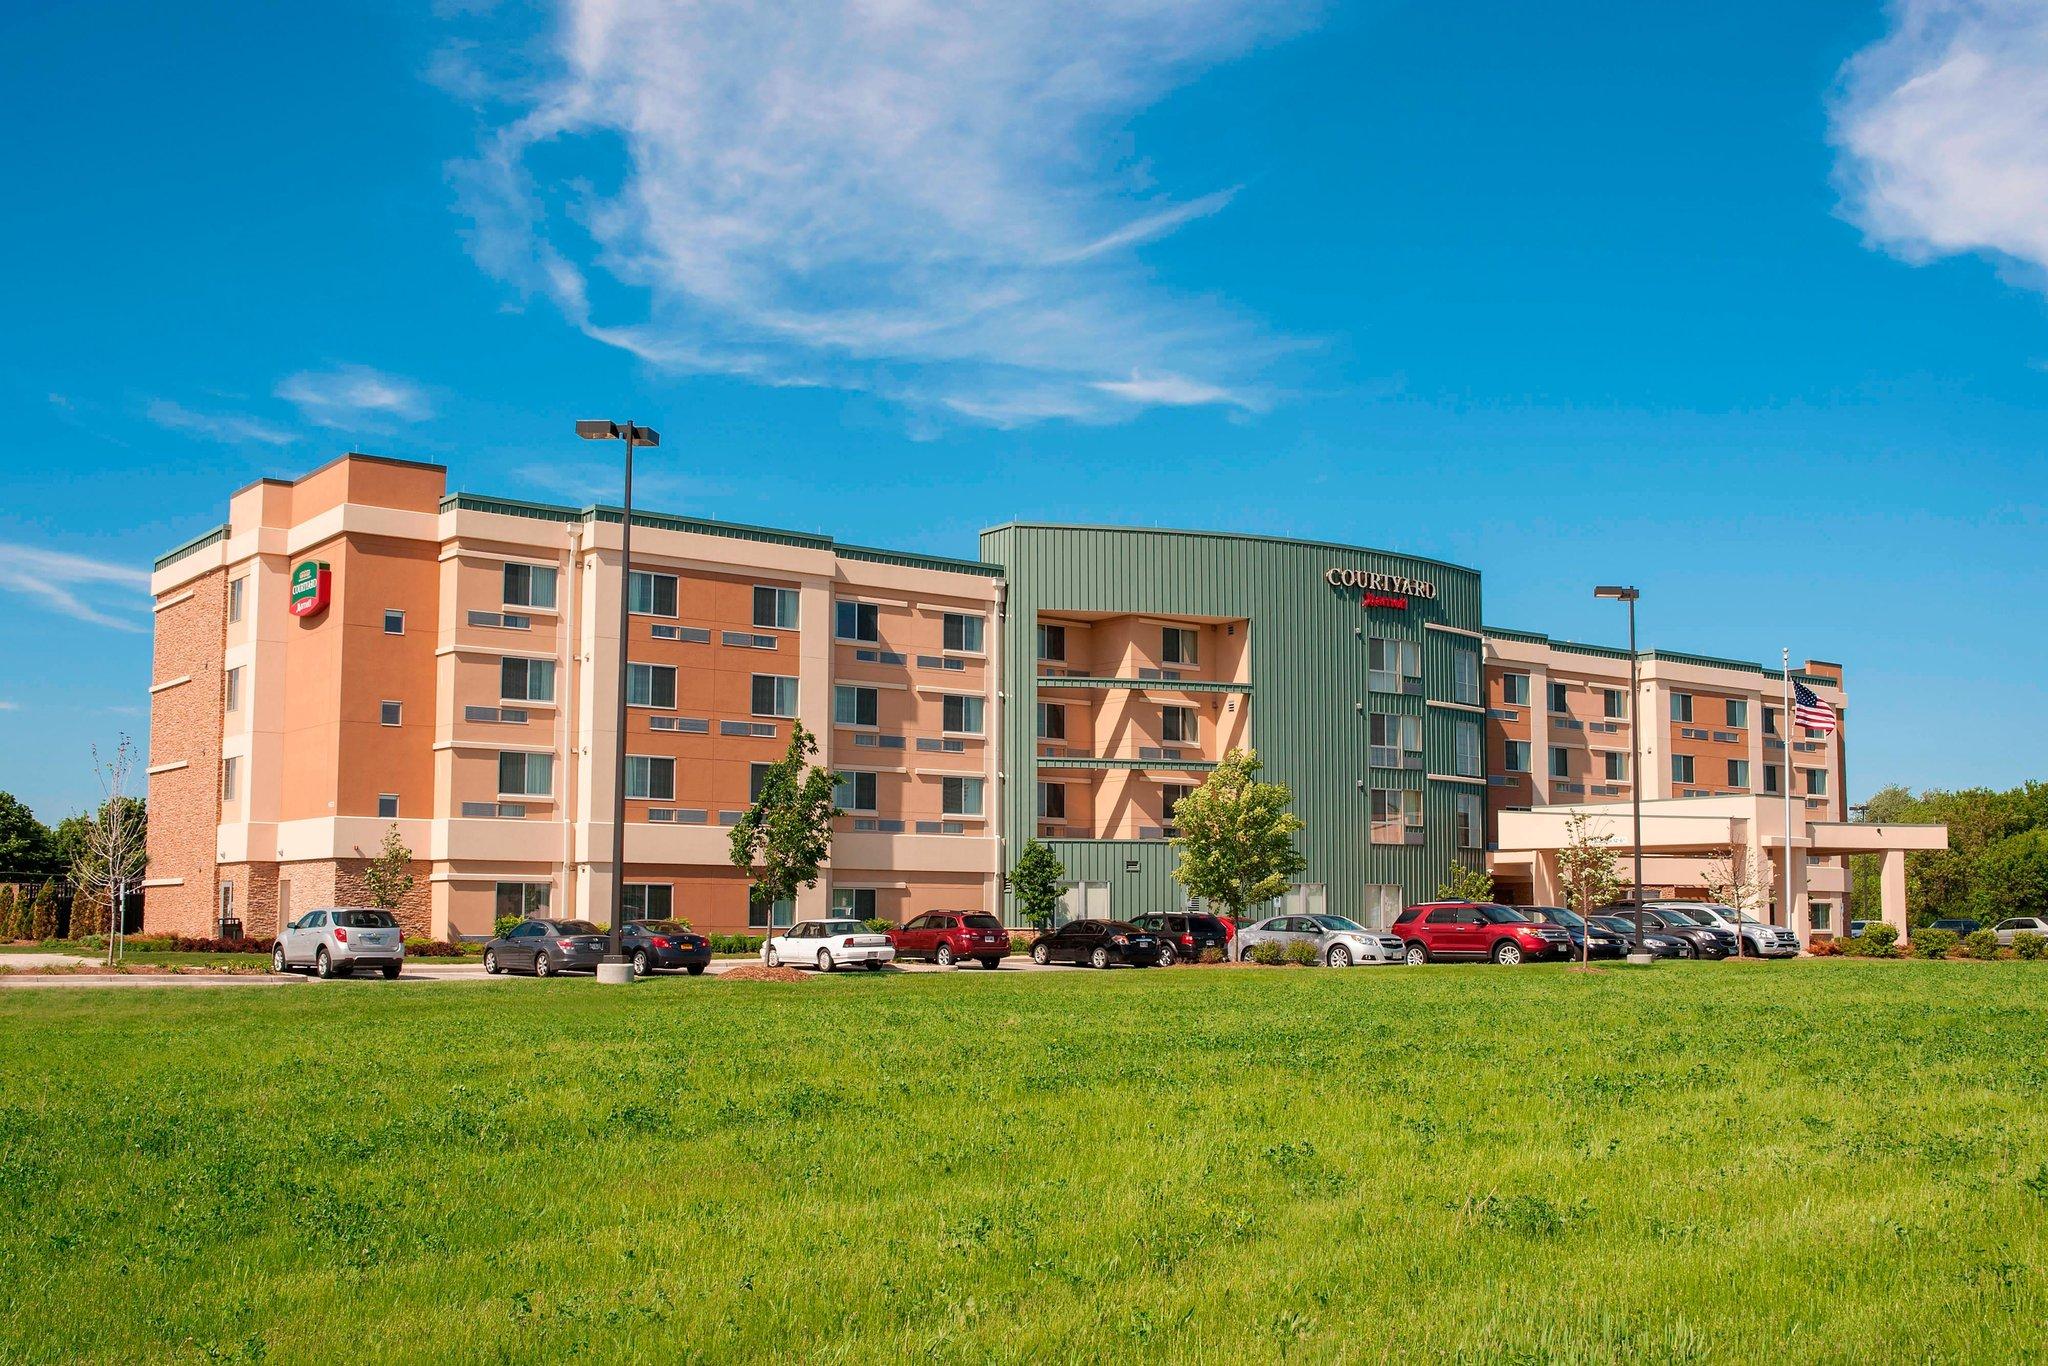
<point x="650" y="900"/>
<point x="857" y="903"/>
<point x="1820" y="915"/>
<point x="1083" y="901"/>
<point x="1300" y="898"/>
<point x="779" y="915"/>
<point x="1383" y="903"/>
<point x="523" y="900"/>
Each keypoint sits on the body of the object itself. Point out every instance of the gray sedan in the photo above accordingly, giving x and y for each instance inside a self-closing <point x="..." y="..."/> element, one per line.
<point x="1337" y="942"/>
<point x="546" y="947"/>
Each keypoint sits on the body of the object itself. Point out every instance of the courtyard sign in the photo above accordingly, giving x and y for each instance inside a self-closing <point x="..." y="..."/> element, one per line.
<point x="312" y="585"/>
<point x="1380" y="590"/>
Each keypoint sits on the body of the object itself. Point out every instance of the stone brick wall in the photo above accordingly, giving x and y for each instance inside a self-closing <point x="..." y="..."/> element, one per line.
<point x="255" y="887"/>
<point x="185" y="726"/>
<point x="339" y="882"/>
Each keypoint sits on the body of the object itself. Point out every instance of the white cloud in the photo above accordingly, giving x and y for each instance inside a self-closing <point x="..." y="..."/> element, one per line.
<point x="86" y="589"/>
<point x="917" y="198"/>
<point x="239" y="428"/>
<point x="1942" y="128"/>
<point x="354" y="396"/>
<point x="9" y="706"/>
<point x="1174" y="391"/>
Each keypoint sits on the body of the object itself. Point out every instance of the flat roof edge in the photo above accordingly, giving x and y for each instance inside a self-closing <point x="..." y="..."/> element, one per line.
<point x="197" y="543"/>
<point x="1303" y="541"/>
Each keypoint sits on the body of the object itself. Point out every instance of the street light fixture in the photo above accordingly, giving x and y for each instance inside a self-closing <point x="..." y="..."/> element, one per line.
<point x="1615" y="592"/>
<point x="615" y="968"/>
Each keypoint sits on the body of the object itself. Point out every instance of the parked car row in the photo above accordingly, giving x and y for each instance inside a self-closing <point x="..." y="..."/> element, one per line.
<point x="547" y="947"/>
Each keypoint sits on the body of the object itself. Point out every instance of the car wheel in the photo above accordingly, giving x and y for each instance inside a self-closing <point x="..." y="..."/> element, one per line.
<point x="1099" y="958"/>
<point x="1418" y="953"/>
<point x="824" y="960"/>
<point x="873" y="965"/>
<point x="1041" y="955"/>
<point x="695" y="969"/>
<point x="491" y="967"/>
<point x="277" y="963"/>
<point x="770" y="956"/>
<point x="1507" y="953"/>
<point x="1167" y="956"/>
<point x="322" y="964"/>
<point x="991" y="963"/>
<point x="543" y="966"/>
<point x="391" y="972"/>
<point x="641" y="967"/>
<point x="943" y="956"/>
<point x="1339" y="957"/>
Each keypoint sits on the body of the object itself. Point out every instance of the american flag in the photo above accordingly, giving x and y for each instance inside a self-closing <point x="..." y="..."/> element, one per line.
<point x="1809" y="711"/>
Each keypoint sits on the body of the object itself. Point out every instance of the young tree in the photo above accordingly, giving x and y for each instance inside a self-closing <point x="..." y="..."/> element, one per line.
<point x="1036" y="882"/>
<point x="1466" y="883"/>
<point x="1736" y="880"/>
<point x="786" y="835"/>
<point x="16" y="925"/>
<point x="7" y="911"/>
<point x="1236" y="838"/>
<point x="114" y="847"/>
<point x="388" y="879"/>
<point x="1588" y="871"/>
<point x="43" y="911"/>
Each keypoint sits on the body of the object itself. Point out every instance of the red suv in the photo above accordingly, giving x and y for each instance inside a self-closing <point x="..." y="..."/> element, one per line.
<point x="1476" y="930"/>
<point x="945" y="937"/>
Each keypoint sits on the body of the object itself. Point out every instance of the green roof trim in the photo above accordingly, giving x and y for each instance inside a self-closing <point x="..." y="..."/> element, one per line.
<point x="197" y="543"/>
<point x="1669" y="656"/>
<point x="1162" y="684"/>
<point x="1338" y="546"/>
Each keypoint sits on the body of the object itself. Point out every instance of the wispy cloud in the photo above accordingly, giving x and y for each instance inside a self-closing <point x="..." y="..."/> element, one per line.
<point x="79" y="587"/>
<point x="9" y="706"/>
<point x="239" y="428"/>
<point x="915" y="199"/>
<point x="1942" y="132"/>
<point x="354" y="396"/>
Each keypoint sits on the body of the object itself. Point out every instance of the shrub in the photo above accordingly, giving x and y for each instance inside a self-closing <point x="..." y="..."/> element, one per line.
<point x="182" y="943"/>
<point x="2029" y="945"/>
<point x="1825" y="948"/>
<point x="1933" y="943"/>
<point x="735" y="943"/>
<point x="1878" y="941"/>
<point x="43" y="913"/>
<point x="506" y="924"/>
<point x="1212" y="954"/>
<point x="877" y="925"/>
<point x="6" y="912"/>
<point x="1269" y="953"/>
<point x="434" y="948"/>
<point x="1021" y="943"/>
<point x="1981" y="944"/>
<point x="1301" y="953"/>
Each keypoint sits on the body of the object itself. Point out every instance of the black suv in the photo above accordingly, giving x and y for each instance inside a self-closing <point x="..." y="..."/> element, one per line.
<point x="1606" y="943"/>
<point x="1707" y="941"/>
<point x="1183" y="937"/>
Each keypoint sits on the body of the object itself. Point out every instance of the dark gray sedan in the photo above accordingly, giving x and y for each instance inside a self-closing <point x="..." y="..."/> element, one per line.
<point x="546" y="947"/>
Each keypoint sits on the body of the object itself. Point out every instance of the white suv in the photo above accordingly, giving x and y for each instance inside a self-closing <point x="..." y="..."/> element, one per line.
<point x="1759" y="940"/>
<point x="336" y="940"/>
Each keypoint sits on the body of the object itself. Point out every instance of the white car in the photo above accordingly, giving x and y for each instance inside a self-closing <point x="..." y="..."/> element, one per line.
<point x="828" y="944"/>
<point x="1337" y="941"/>
<point x="336" y="940"/>
<point x="1759" y="939"/>
<point x="2018" y="924"/>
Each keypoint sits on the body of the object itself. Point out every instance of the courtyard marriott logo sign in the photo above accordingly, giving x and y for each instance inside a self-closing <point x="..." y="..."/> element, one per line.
<point x="312" y="585"/>
<point x="1380" y="590"/>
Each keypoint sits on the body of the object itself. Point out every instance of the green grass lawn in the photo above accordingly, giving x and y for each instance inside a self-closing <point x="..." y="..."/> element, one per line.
<point x="1814" y="1160"/>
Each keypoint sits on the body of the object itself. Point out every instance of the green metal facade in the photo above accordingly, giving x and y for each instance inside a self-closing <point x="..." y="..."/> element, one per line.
<point x="1310" y="696"/>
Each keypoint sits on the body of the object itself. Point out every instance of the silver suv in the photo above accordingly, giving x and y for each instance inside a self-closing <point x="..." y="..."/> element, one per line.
<point x="336" y="940"/>
<point x="1759" y="939"/>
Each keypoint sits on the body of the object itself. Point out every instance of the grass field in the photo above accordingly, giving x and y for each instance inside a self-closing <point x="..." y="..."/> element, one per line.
<point x="1816" y="1160"/>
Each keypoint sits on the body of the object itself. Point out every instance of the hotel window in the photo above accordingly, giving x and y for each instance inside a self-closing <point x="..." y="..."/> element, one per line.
<point x="651" y="595"/>
<point x="774" y="695"/>
<point x="1738" y="714"/>
<point x="1052" y="721"/>
<point x="651" y="685"/>
<point x="1816" y="782"/>
<point x="387" y="806"/>
<point x="390" y="713"/>
<point x="1771" y="779"/>
<point x="1052" y="643"/>
<point x="1396" y="816"/>
<point x="1681" y="706"/>
<point x="775" y="607"/>
<point x="854" y="903"/>
<point x="229" y="767"/>
<point x="1465" y="738"/>
<point x="961" y="714"/>
<point x="526" y="680"/>
<point x="650" y="779"/>
<point x="1560" y="762"/>
<point x="235" y="598"/>
<point x="766" y="915"/>
<point x="1516" y="758"/>
<point x="521" y="774"/>
<point x="1560" y="698"/>
<point x="963" y="633"/>
<point x="1738" y="773"/>
<point x="1470" y="828"/>
<point x="1383" y="904"/>
<point x="1170" y="796"/>
<point x="960" y="796"/>
<point x="234" y="691"/>
<point x="757" y="780"/>
<point x="1396" y="665"/>
<point x="1681" y="768"/>
<point x="1514" y="690"/>
<point x="1770" y="720"/>
<point x="394" y="623"/>
<point x="1465" y="677"/>
<point x="1052" y="801"/>
<point x="1613" y="703"/>
<point x="523" y="900"/>
<point x="1179" y="726"/>
<point x="227" y="902"/>
<point x="1396" y="741"/>
<point x="529" y="585"/>
<point x="854" y="792"/>
<point x="647" y="901"/>
<point x="1176" y="645"/>
<point x="857" y="621"/>
<point x="853" y="706"/>
<point x="1615" y="765"/>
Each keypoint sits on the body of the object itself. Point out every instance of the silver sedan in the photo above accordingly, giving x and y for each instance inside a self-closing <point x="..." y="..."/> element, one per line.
<point x="2017" y="925"/>
<point x="1337" y="942"/>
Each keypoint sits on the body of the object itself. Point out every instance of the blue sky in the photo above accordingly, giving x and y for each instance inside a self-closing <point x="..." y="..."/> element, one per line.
<point x="1743" y="303"/>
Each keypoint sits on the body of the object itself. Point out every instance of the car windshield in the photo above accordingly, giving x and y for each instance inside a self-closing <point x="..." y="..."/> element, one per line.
<point x="844" y="927"/>
<point x="1503" y="915"/>
<point x="983" y="921"/>
<point x="361" y="920"/>
<point x="1616" y="923"/>
<point x="1558" y="915"/>
<point x="1339" y="925"/>
<point x="578" y="927"/>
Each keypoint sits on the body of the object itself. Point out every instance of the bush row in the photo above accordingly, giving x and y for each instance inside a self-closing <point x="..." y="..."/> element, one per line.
<point x="1882" y="941"/>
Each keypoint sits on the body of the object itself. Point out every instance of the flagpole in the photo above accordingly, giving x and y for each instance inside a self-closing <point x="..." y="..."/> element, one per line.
<point x="1785" y="786"/>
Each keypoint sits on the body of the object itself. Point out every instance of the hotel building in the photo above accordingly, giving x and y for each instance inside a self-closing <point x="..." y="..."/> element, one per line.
<point x="358" y="650"/>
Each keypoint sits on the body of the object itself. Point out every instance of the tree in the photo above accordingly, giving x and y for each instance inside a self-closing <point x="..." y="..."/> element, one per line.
<point x="25" y="848"/>
<point x="1465" y="883"/>
<point x="43" y="911"/>
<point x="1236" y="837"/>
<point x="786" y="835"/>
<point x="7" y="911"/>
<point x="1036" y="882"/>
<point x="1736" y="879"/>
<point x="1588" y="870"/>
<point x="114" y="850"/>
<point x="17" y="924"/>
<point x="388" y="879"/>
<point x="2012" y="876"/>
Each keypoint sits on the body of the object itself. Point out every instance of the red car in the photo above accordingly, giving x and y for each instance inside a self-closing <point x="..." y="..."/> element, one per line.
<point x="1477" y="930"/>
<point x="945" y="937"/>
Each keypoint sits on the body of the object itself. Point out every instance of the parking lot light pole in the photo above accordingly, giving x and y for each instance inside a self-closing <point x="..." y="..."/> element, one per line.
<point x="1637" y="954"/>
<point x="615" y="969"/>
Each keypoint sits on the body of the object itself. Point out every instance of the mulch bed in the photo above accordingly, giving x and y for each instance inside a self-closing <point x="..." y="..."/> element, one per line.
<point x="762" y="973"/>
